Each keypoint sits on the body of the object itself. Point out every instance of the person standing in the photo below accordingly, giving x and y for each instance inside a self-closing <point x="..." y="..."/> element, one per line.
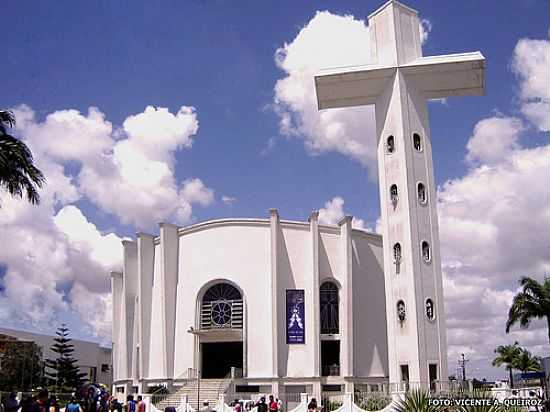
<point x="261" y="405"/>
<point x="237" y="406"/>
<point x="312" y="406"/>
<point x="272" y="405"/>
<point x="140" y="404"/>
<point x="73" y="405"/>
<point x="11" y="404"/>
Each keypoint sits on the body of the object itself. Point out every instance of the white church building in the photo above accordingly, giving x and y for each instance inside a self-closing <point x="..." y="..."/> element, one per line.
<point x="288" y="306"/>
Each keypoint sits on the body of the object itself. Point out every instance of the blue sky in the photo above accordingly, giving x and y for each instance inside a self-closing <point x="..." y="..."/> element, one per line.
<point x="219" y="57"/>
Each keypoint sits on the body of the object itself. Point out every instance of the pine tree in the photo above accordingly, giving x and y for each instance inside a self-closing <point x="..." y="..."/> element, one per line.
<point x="62" y="371"/>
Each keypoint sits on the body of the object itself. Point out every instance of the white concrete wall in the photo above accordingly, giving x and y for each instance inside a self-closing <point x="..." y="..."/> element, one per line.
<point x="241" y="252"/>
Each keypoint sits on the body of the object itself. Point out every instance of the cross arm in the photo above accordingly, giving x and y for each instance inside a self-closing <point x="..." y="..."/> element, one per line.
<point x="351" y="86"/>
<point x="451" y="75"/>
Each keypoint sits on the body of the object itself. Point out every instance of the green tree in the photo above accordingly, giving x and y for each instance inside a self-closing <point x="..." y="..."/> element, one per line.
<point x="526" y="362"/>
<point x="507" y="355"/>
<point x="62" y="371"/>
<point x="18" y="174"/>
<point x="22" y="367"/>
<point x="533" y="302"/>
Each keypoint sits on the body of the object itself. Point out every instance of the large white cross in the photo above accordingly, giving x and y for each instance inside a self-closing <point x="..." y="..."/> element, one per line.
<point x="399" y="83"/>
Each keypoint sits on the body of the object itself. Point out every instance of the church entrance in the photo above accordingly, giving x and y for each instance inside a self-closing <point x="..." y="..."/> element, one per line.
<point x="219" y="357"/>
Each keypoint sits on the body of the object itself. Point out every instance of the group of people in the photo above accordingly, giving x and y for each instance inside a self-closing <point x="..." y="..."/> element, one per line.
<point x="274" y="405"/>
<point x="91" y="399"/>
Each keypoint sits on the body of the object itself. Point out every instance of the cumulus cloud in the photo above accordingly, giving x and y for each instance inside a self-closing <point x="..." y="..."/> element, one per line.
<point x="530" y="62"/>
<point x="52" y="253"/>
<point x="328" y="40"/>
<point x="425" y="29"/>
<point x="490" y="222"/>
<point x="128" y="172"/>
<point x="60" y="260"/>
<point x="333" y="212"/>
<point x="494" y="139"/>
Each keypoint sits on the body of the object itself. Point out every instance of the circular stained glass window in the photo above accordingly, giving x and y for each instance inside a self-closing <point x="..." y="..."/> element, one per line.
<point x="221" y="313"/>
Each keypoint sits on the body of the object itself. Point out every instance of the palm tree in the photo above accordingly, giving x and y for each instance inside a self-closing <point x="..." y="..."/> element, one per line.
<point x="532" y="302"/>
<point x="526" y="362"/>
<point x="415" y="400"/>
<point x="507" y="355"/>
<point x="18" y="174"/>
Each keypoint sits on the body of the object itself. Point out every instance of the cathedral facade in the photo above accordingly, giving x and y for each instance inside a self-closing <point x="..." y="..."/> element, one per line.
<point x="278" y="305"/>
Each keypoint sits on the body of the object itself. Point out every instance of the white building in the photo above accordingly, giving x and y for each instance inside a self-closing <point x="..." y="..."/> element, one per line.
<point x="305" y="305"/>
<point x="227" y="282"/>
<point x="93" y="359"/>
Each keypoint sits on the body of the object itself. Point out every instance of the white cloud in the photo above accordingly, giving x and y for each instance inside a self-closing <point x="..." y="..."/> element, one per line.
<point x="58" y="262"/>
<point x="229" y="200"/>
<point x="333" y="212"/>
<point x="530" y="62"/>
<point x="328" y="40"/>
<point x="494" y="139"/>
<point x="425" y="29"/>
<point x="128" y="172"/>
<point x="490" y="222"/>
<point x="49" y="254"/>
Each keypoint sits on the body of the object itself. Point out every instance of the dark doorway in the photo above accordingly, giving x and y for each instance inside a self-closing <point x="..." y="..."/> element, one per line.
<point x="219" y="357"/>
<point x="330" y="357"/>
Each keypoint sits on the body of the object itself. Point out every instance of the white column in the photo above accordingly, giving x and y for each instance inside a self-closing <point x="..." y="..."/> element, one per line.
<point x="129" y="274"/>
<point x="118" y="349"/>
<point x="314" y="284"/>
<point x="346" y="294"/>
<point x="169" y="250"/>
<point x="146" y="256"/>
<point x="274" y="228"/>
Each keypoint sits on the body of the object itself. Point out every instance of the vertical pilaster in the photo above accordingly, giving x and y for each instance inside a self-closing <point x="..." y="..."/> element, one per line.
<point x="146" y="256"/>
<point x="129" y="273"/>
<point x="316" y="338"/>
<point x="118" y="348"/>
<point x="347" y="294"/>
<point x="169" y="277"/>
<point x="274" y="228"/>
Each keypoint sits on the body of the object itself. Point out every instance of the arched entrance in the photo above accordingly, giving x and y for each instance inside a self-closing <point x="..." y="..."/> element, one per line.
<point x="221" y="324"/>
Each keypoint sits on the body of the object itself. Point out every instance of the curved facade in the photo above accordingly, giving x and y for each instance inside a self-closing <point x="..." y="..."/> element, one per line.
<point x="214" y="298"/>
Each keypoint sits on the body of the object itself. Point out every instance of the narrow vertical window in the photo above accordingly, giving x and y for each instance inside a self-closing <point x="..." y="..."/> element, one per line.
<point x="394" y="196"/>
<point x="417" y="142"/>
<point x="401" y="314"/>
<point x="390" y="145"/>
<point x="426" y="252"/>
<point x="422" y="198"/>
<point x="430" y="314"/>
<point x="397" y="256"/>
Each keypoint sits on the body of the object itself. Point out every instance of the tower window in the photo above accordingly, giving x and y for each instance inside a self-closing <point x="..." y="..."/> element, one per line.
<point x="422" y="198"/>
<point x="417" y="142"/>
<point x="394" y="196"/>
<point x="397" y="256"/>
<point x="401" y="314"/>
<point x="426" y="252"/>
<point x="430" y="313"/>
<point x="390" y="145"/>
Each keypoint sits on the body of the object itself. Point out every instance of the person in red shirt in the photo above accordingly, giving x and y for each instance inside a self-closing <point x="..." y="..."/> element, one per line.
<point x="140" y="404"/>
<point x="272" y="405"/>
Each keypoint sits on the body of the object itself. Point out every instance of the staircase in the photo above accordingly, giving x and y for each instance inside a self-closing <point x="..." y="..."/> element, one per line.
<point x="210" y="389"/>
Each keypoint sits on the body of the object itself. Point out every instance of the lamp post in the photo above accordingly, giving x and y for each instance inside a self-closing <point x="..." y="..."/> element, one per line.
<point x="194" y="332"/>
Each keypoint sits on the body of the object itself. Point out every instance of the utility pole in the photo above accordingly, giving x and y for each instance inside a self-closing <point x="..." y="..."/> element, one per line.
<point x="462" y="363"/>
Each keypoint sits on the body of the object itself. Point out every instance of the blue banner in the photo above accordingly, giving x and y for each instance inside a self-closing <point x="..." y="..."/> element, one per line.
<point x="295" y="316"/>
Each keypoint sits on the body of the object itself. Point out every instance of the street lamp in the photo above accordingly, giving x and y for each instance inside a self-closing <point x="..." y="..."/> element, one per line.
<point x="194" y="332"/>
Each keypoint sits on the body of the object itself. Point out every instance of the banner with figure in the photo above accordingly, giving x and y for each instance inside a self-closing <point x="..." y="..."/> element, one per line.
<point x="295" y="316"/>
